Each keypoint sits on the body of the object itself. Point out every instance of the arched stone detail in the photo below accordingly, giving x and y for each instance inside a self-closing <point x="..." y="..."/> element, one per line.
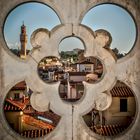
<point x="71" y="126"/>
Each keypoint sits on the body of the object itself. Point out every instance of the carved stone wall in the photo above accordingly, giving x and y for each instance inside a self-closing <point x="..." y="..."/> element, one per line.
<point x="71" y="125"/>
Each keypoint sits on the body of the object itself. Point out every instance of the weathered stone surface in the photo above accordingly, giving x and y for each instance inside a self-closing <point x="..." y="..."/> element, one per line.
<point x="71" y="125"/>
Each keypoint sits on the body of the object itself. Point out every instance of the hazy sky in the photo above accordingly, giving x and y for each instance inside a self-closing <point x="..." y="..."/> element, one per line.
<point x="117" y="21"/>
<point x="68" y="44"/>
<point x="36" y="15"/>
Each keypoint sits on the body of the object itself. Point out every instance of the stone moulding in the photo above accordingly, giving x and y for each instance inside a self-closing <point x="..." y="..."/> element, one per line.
<point x="71" y="127"/>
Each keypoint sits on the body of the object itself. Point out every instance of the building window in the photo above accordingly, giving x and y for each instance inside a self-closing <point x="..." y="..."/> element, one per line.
<point x="123" y="105"/>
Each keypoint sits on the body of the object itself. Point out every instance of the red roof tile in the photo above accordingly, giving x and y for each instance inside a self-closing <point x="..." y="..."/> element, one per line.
<point x="35" y="133"/>
<point x="13" y="105"/>
<point x="108" y="130"/>
<point x="121" y="90"/>
<point x="49" y="115"/>
<point x="36" y="123"/>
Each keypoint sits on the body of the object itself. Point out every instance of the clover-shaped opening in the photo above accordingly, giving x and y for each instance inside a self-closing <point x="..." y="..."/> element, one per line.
<point x="77" y="67"/>
<point x="71" y="69"/>
<point x="22" y="21"/>
<point x="118" y="22"/>
<point x="118" y="117"/>
<point x="22" y="118"/>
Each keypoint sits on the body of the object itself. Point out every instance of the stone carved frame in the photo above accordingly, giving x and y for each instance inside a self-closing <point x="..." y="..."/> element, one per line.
<point x="71" y="125"/>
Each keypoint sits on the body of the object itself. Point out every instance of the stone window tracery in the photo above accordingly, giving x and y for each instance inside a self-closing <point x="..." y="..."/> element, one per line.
<point x="94" y="95"/>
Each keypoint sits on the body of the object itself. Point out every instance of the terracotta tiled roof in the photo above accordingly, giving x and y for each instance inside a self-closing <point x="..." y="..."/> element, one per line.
<point x="35" y="133"/>
<point x="36" y="123"/>
<point x="49" y="115"/>
<point x="29" y="110"/>
<point x="11" y="107"/>
<point x="108" y="130"/>
<point x="121" y="90"/>
<point x="15" y="104"/>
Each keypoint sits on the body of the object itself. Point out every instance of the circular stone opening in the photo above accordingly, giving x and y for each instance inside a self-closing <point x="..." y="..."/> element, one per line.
<point x="22" y="21"/>
<point x="118" y="117"/>
<point x="22" y="118"/>
<point x="118" y="22"/>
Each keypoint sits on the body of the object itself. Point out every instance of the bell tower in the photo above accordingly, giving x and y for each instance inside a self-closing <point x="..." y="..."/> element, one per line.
<point x="23" y="41"/>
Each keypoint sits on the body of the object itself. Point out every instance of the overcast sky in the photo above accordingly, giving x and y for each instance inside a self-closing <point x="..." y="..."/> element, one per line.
<point x="36" y="15"/>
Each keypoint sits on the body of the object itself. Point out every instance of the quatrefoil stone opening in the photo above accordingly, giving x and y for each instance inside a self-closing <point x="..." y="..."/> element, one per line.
<point x="71" y="69"/>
